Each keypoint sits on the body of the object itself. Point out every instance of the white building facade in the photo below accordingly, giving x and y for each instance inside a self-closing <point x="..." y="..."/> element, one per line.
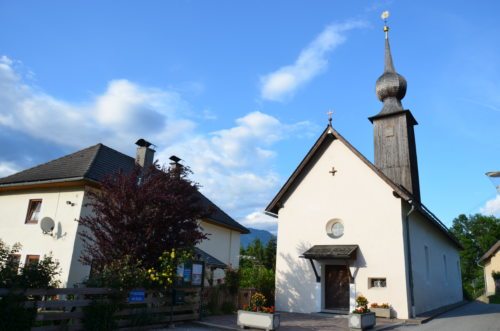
<point x="347" y="227"/>
<point x="58" y="191"/>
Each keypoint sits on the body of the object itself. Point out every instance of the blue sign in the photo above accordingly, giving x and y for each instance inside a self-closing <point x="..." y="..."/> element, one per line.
<point x="136" y="296"/>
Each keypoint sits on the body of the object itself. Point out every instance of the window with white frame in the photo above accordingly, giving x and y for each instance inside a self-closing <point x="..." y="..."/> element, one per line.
<point x="33" y="214"/>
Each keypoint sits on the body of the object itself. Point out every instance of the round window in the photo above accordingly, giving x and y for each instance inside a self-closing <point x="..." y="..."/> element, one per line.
<point x="335" y="228"/>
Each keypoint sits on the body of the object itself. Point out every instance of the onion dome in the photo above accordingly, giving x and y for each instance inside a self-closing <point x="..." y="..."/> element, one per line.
<point x="391" y="86"/>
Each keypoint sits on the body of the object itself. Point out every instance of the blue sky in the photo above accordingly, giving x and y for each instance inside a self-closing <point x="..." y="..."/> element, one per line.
<point x="239" y="89"/>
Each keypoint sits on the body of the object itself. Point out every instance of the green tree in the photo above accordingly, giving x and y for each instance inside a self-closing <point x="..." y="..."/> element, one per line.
<point x="257" y="267"/>
<point x="477" y="233"/>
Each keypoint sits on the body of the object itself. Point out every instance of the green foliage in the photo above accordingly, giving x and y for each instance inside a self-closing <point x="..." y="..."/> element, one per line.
<point x="40" y="275"/>
<point x="232" y="281"/>
<point x="165" y="274"/>
<point x="260" y="278"/>
<point x="121" y="274"/>
<point x="494" y="299"/>
<point x="99" y="315"/>
<point x="257" y="267"/>
<point x="227" y="307"/>
<point x="477" y="233"/>
<point x="36" y="275"/>
<point x="8" y="265"/>
<point x="13" y="314"/>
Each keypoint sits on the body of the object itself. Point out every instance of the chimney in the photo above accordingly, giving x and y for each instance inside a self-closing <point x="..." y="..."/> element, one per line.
<point x="145" y="155"/>
<point x="175" y="166"/>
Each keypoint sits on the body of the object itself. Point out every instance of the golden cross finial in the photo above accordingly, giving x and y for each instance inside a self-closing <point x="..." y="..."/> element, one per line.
<point x="330" y="113"/>
<point x="385" y="16"/>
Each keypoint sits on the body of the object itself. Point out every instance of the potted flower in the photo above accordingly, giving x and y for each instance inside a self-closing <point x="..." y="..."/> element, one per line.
<point x="258" y="315"/>
<point x="381" y="310"/>
<point x="361" y="317"/>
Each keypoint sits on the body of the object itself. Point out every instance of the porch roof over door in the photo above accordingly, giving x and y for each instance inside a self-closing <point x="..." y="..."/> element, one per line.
<point x="327" y="252"/>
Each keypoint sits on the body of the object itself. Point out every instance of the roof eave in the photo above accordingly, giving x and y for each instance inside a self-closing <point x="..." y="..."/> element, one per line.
<point x="47" y="183"/>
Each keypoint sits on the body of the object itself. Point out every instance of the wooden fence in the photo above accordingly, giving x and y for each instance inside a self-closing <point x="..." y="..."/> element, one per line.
<point x="62" y="308"/>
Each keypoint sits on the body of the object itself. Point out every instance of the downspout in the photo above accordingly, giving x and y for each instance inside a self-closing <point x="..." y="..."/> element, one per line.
<point x="410" y="268"/>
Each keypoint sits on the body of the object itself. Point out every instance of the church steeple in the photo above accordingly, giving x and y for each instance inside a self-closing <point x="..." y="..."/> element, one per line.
<point x="394" y="137"/>
<point x="391" y="86"/>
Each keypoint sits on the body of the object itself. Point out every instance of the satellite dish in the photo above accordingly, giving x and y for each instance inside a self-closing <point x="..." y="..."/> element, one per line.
<point x="47" y="224"/>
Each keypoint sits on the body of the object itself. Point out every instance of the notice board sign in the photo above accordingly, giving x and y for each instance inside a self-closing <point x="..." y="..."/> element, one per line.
<point x="136" y="296"/>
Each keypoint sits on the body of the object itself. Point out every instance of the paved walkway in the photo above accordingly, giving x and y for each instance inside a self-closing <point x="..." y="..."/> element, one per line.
<point x="475" y="316"/>
<point x="296" y="322"/>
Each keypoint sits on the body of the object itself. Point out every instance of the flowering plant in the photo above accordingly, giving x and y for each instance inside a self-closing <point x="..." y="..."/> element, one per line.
<point x="361" y="305"/>
<point x="258" y="304"/>
<point x="382" y="305"/>
<point x="165" y="273"/>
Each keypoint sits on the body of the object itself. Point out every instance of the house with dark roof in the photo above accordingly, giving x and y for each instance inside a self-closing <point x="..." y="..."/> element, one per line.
<point x="491" y="264"/>
<point x="40" y="208"/>
<point x="350" y="227"/>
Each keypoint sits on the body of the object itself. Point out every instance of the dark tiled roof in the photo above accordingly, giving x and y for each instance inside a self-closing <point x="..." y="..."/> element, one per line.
<point x="209" y="259"/>
<point x="322" y="252"/>
<point x="95" y="163"/>
<point x="493" y="249"/>
<point x="92" y="163"/>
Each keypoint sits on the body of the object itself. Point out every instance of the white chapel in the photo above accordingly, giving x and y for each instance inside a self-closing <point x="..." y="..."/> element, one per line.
<point x="348" y="227"/>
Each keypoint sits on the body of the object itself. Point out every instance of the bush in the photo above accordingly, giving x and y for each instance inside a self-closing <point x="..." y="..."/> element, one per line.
<point x="42" y="274"/>
<point x="232" y="280"/>
<point x="123" y="274"/>
<point x="99" y="315"/>
<point x="14" y="316"/>
<point x="260" y="278"/>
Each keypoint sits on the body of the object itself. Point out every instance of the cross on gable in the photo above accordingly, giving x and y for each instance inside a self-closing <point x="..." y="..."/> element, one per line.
<point x="333" y="171"/>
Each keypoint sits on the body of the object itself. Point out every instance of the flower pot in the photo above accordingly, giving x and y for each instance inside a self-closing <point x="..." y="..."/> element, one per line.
<point x="382" y="312"/>
<point x="258" y="320"/>
<point x="362" y="321"/>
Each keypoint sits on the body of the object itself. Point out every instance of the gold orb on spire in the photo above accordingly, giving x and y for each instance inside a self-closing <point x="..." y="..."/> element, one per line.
<point x="385" y="16"/>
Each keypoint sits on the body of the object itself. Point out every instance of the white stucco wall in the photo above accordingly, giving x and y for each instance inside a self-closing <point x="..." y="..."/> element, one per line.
<point x="66" y="245"/>
<point x="14" y="206"/>
<point x="434" y="287"/>
<point x="372" y="219"/>
<point x="223" y="244"/>
<point x="492" y="264"/>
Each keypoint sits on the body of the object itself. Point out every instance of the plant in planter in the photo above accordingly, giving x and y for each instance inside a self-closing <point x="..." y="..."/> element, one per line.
<point x="258" y="315"/>
<point x="361" y="317"/>
<point x="381" y="310"/>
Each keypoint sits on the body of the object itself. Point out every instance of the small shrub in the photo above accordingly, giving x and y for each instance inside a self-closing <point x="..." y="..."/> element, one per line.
<point x="232" y="280"/>
<point x="99" y="316"/>
<point x="495" y="275"/>
<point x="14" y="316"/>
<point x="227" y="307"/>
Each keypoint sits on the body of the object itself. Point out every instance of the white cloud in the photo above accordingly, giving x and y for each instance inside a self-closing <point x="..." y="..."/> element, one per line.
<point x="122" y="113"/>
<point x="312" y="61"/>
<point x="492" y="207"/>
<point x="7" y="168"/>
<point x="258" y="219"/>
<point x="235" y="165"/>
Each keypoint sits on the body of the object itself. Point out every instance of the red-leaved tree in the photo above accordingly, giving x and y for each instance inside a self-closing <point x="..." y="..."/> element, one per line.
<point x="140" y="215"/>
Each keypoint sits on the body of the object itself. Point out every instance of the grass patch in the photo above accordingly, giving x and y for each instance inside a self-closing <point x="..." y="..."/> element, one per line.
<point x="494" y="299"/>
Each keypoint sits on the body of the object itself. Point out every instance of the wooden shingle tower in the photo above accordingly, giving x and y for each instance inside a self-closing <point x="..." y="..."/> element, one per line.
<point x="394" y="137"/>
